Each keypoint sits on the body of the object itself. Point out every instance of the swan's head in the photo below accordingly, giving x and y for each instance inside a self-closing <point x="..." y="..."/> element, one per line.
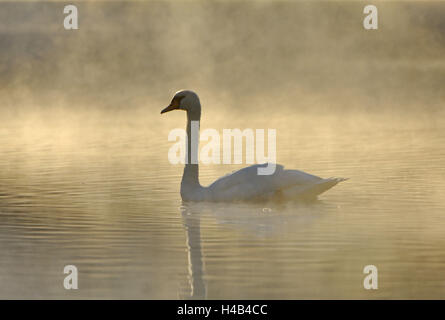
<point x="185" y="100"/>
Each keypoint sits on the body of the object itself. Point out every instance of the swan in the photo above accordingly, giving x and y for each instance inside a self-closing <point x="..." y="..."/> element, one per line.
<point x="244" y="184"/>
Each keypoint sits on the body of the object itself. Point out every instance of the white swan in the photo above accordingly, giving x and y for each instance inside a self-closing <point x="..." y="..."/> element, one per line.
<point x="244" y="184"/>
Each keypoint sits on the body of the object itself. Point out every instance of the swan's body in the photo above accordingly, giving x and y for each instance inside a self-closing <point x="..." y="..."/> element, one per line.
<point x="244" y="184"/>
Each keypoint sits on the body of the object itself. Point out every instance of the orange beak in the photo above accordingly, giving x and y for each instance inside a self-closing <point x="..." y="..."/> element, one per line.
<point x="169" y="108"/>
<point x="174" y="105"/>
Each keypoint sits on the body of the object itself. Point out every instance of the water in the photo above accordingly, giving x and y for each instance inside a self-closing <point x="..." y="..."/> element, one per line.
<point x="97" y="191"/>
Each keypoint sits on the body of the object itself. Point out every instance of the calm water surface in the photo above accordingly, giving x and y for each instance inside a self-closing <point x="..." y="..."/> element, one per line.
<point x="98" y="192"/>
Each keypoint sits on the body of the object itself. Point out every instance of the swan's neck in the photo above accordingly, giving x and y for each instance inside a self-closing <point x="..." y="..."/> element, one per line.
<point x="190" y="185"/>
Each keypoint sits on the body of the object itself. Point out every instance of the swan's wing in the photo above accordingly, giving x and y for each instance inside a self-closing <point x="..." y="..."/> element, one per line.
<point x="297" y="178"/>
<point x="242" y="176"/>
<point x="311" y="190"/>
<point x="246" y="184"/>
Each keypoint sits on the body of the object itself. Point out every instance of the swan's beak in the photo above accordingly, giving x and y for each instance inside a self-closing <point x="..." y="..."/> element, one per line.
<point x="170" y="108"/>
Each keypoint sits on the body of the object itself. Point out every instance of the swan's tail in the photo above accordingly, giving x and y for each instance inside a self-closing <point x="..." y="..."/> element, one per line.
<point x="311" y="192"/>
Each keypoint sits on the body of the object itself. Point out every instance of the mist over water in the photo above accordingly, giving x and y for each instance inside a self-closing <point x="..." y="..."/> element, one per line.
<point x="238" y="55"/>
<point x="84" y="171"/>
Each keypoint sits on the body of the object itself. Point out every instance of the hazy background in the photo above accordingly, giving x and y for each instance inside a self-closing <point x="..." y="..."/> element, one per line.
<point x="85" y="177"/>
<point x="261" y="56"/>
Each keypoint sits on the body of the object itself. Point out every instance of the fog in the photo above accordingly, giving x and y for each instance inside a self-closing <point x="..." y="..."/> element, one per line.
<point x="255" y="56"/>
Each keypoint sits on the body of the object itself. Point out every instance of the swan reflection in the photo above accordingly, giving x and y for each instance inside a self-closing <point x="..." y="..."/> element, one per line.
<point x="192" y="226"/>
<point x="260" y="221"/>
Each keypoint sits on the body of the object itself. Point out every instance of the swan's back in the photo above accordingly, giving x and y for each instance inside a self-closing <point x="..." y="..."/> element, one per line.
<point x="245" y="184"/>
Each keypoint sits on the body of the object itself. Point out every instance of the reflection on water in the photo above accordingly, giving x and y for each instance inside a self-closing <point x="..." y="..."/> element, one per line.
<point x="194" y="250"/>
<point x="101" y="195"/>
<point x="250" y="219"/>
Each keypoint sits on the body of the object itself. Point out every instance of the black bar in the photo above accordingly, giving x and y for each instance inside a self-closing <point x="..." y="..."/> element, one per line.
<point x="272" y="309"/>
